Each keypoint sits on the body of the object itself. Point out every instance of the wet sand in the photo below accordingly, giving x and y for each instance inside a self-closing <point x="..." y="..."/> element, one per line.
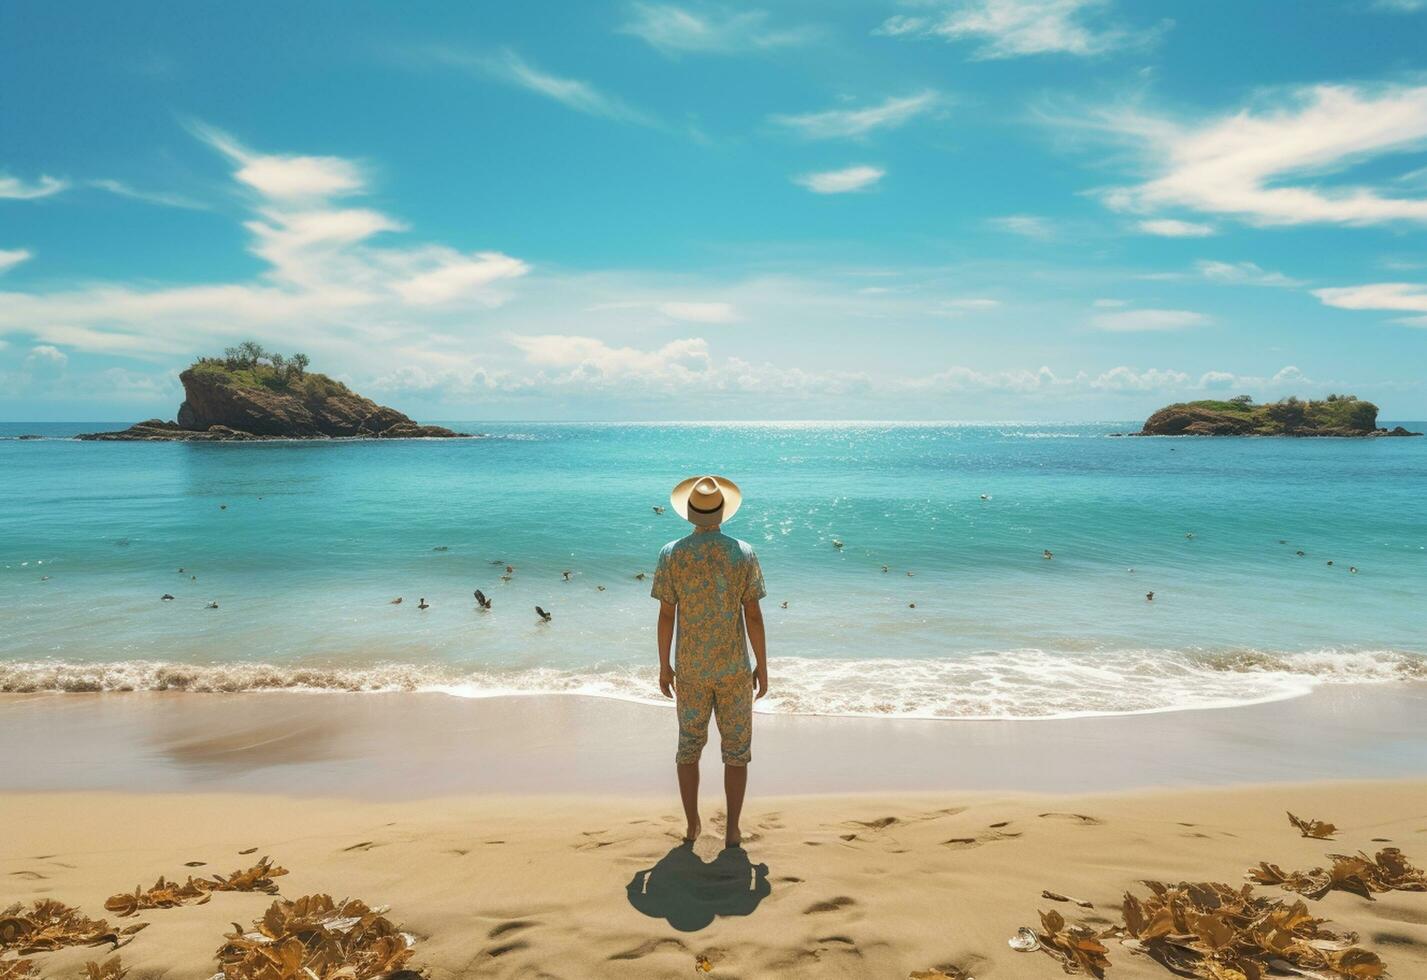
<point x="388" y="746"/>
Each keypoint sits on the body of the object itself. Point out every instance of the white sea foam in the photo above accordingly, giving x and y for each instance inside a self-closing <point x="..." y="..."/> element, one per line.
<point x="1022" y="684"/>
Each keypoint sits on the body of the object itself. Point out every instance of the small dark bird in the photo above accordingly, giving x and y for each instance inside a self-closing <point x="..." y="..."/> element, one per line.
<point x="497" y="561"/>
<point x="505" y="578"/>
<point x="1300" y="554"/>
<point x="396" y="601"/>
<point x="639" y="577"/>
<point x="182" y="570"/>
<point x="222" y="506"/>
<point x="1330" y="561"/>
<point x="837" y="544"/>
<point x="213" y="605"/>
<point x="910" y="574"/>
<point x="599" y="588"/>
<point x="544" y="616"/>
<point x="783" y="604"/>
<point x="911" y="605"/>
<point x="1353" y="569"/>
<point x="658" y="509"/>
<point x="423" y="604"/>
<point x="1047" y="555"/>
<point x="566" y="573"/>
<point x="481" y="600"/>
<point x="985" y="496"/>
<point x="1282" y="541"/>
<point x="1149" y="597"/>
<point x="44" y="578"/>
<point x="442" y="547"/>
<point x="193" y="578"/>
<point x="1188" y="536"/>
<point x="884" y="569"/>
<point x="166" y="597"/>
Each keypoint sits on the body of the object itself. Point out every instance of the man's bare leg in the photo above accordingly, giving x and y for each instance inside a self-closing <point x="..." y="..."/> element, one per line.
<point x="689" y="794"/>
<point x="735" y="781"/>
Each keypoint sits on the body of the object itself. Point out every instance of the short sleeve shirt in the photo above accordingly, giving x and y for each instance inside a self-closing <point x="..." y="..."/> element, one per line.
<point x="709" y="576"/>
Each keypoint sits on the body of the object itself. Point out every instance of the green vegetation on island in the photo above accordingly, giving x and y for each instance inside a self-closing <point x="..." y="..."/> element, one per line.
<point x="1336" y="415"/>
<point x="250" y="365"/>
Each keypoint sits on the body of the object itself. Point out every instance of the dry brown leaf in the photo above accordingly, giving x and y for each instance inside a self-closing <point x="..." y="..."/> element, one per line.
<point x="1316" y="829"/>
<point x="170" y="894"/>
<point x="1359" y="874"/>
<point x="110" y="969"/>
<point x="315" y="938"/>
<point x="48" y="925"/>
<point x="251" y="850"/>
<point x="18" y="970"/>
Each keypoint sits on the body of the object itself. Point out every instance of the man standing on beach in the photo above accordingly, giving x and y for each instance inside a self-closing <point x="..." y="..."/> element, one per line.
<point x="711" y="584"/>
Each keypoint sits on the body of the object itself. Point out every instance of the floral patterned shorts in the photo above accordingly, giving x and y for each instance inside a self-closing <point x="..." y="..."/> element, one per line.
<point x="730" y="700"/>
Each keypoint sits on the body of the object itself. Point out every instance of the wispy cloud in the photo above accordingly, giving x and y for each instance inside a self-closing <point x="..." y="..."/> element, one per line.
<point x="1171" y="228"/>
<point x="1025" y="225"/>
<point x="1258" y="165"/>
<point x="1143" y="321"/>
<point x="716" y="30"/>
<point x="161" y="198"/>
<point x="1397" y="297"/>
<point x="692" y="312"/>
<point x="844" y="181"/>
<point x="853" y="123"/>
<point x="1242" y="274"/>
<point x="509" y="67"/>
<point x="16" y="189"/>
<point x="11" y="257"/>
<point x="1014" y="28"/>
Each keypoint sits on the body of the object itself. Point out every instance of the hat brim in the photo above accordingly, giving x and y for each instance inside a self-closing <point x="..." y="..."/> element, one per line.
<point x="732" y="500"/>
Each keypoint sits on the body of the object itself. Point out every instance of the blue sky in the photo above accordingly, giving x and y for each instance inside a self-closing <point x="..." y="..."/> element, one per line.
<point x="946" y="209"/>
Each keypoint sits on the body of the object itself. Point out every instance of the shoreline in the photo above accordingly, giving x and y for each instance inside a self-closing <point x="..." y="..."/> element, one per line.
<point x="427" y="745"/>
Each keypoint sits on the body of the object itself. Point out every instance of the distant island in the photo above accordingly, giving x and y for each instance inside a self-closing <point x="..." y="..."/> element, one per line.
<point x="1336" y="415"/>
<point x="251" y="393"/>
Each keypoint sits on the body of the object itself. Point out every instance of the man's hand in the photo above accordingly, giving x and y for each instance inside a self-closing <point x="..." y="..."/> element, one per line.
<point x="760" y="681"/>
<point x="666" y="680"/>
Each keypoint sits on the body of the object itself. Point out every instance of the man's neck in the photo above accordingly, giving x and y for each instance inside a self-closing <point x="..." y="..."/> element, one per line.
<point x="707" y="530"/>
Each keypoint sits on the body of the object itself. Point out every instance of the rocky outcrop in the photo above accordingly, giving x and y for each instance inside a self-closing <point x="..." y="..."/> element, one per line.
<point x="221" y="406"/>
<point x="1342" y="416"/>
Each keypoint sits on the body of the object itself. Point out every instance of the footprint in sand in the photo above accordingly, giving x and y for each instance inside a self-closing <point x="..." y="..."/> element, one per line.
<point x="647" y="948"/>
<point x="28" y="875"/>
<point x="504" y="948"/>
<point x="1079" y="818"/>
<point x="365" y="845"/>
<point x="836" y="904"/>
<point x="509" y="927"/>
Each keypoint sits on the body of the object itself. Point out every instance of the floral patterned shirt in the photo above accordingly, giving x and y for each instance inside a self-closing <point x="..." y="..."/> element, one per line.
<point x="709" y="576"/>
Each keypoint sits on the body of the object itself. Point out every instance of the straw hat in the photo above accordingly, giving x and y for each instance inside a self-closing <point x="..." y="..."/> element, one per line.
<point x="706" y="500"/>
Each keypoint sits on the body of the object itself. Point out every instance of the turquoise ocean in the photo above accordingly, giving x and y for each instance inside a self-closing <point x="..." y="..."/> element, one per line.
<point x="303" y="545"/>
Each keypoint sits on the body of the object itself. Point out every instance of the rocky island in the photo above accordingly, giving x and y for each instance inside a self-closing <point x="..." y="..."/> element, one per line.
<point x="251" y="393"/>
<point x="1336" y="415"/>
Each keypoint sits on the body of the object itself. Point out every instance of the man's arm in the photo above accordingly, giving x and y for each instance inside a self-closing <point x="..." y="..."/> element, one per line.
<point x="666" y="644"/>
<point x="753" y="619"/>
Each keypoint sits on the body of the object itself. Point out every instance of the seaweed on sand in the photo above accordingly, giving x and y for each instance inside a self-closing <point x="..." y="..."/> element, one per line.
<point x="1078" y="948"/>
<point x="315" y="938"/>
<point x="1216" y="932"/>
<point x="1316" y="829"/>
<point x="170" y="894"/>
<point x="1359" y="874"/>
<point x="49" y="925"/>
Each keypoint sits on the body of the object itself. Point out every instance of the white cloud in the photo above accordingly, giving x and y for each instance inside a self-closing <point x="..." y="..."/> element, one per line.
<point x="1128" y="379"/>
<point x="972" y="303"/>
<point x="1242" y="274"/>
<point x="509" y="67"/>
<point x="699" y="312"/>
<point x="17" y="189"/>
<point x="1025" y="225"/>
<point x="1170" y="228"/>
<point x="1259" y="166"/>
<point x="324" y="278"/>
<point x="854" y="123"/>
<point x="1137" y="321"/>
<point x="11" y="257"/>
<point x="1013" y="28"/>
<point x="674" y="30"/>
<point x="1403" y="297"/>
<point x="841" y="181"/>
<point x="150" y="197"/>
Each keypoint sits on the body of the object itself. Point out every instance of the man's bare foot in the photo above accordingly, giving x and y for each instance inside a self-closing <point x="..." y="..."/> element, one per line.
<point x="692" y="833"/>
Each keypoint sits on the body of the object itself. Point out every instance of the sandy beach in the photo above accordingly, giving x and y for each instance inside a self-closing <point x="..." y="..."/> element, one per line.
<point x="511" y="837"/>
<point x="874" y="885"/>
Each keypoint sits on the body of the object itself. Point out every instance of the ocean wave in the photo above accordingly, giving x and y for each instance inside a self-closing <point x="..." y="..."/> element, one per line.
<point x="1022" y="684"/>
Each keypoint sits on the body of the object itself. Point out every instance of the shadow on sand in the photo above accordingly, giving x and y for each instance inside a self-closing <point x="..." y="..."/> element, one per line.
<point x="689" y="893"/>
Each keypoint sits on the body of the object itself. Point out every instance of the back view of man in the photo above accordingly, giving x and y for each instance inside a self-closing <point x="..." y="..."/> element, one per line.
<point x="711" y="583"/>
